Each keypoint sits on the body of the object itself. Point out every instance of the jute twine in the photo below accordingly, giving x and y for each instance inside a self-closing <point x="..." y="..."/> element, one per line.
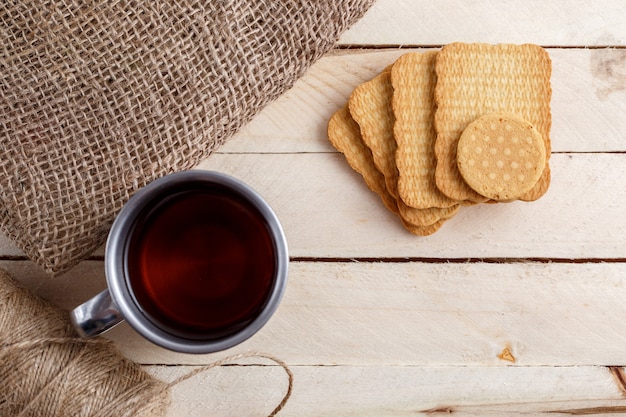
<point x="46" y="371"/>
<point x="98" y="98"/>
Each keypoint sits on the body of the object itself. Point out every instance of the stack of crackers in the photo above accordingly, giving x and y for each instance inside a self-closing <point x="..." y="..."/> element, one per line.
<point x="438" y="130"/>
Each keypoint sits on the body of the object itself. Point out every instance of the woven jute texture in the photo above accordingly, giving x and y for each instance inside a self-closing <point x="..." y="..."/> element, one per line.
<point x="97" y="98"/>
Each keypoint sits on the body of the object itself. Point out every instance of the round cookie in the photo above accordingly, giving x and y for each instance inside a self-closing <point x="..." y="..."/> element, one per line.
<point x="501" y="156"/>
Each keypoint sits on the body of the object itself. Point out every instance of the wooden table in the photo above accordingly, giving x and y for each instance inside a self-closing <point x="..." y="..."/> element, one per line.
<point x="508" y="309"/>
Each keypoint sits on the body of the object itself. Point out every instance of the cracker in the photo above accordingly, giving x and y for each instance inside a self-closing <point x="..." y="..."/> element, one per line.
<point x="475" y="79"/>
<point x="427" y="216"/>
<point x="370" y="107"/>
<point x="413" y="79"/>
<point x="501" y="156"/>
<point x="423" y="230"/>
<point x="345" y="136"/>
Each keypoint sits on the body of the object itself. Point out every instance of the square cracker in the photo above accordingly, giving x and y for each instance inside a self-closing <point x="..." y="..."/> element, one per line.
<point x="413" y="78"/>
<point x="370" y="106"/>
<point x="345" y="136"/>
<point x="475" y="79"/>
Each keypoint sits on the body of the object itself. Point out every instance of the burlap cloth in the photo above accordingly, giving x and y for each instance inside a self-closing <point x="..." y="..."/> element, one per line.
<point x="97" y="98"/>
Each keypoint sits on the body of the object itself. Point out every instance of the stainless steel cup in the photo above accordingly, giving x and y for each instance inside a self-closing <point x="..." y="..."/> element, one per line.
<point x="118" y="303"/>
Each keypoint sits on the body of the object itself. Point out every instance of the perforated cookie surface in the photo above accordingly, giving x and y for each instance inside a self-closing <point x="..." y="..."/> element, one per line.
<point x="501" y="156"/>
<point x="476" y="79"/>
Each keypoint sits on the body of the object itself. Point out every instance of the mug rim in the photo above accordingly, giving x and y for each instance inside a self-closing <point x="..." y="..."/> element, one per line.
<point x="116" y="268"/>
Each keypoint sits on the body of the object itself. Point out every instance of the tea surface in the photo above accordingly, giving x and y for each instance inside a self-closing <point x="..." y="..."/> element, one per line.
<point x="202" y="264"/>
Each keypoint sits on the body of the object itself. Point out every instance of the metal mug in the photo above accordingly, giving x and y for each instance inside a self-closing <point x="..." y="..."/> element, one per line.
<point x="122" y="301"/>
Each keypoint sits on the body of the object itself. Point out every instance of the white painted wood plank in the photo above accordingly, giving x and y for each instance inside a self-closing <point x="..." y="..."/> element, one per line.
<point x="588" y="116"/>
<point x="391" y="391"/>
<point x="424" y="22"/>
<point x="588" y="102"/>
<point x="296" y="121"/>
<point x="328" y="211"/>
<point x="419" y="314"/>
<point x="8" y="247"/>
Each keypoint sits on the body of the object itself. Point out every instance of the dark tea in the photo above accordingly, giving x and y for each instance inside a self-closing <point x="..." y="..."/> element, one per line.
<point x="202" y="263"/>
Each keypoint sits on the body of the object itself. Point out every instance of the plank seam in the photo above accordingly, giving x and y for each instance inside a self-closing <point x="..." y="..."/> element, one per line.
<point x="426" y="260"/>
<point x="433" y="46"/>
<point x="471" y="260"/>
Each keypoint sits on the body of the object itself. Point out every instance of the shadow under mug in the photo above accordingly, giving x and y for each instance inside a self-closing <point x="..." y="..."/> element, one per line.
<point x="195" y="262"/>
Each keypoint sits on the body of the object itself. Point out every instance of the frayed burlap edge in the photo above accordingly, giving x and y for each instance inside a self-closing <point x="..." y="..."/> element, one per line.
<point x="99" y="99"/>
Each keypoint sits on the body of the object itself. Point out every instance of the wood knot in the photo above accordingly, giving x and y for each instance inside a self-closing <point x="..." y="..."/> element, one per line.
<point x="507" y="355"/>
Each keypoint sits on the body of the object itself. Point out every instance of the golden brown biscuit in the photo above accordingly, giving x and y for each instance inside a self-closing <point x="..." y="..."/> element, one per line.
<point x="370" y="107"/>
<point x="345" y="136"/>
<point x="427" y="216"/>
<point x="413" y="78"/>
<point x="501" y="156"/>
<point x="423" y="230"/>
<point x="475" y="79"/>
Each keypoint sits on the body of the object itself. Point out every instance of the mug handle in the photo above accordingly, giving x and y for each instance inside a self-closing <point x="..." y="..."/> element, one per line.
<point x="96" y="316"/>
